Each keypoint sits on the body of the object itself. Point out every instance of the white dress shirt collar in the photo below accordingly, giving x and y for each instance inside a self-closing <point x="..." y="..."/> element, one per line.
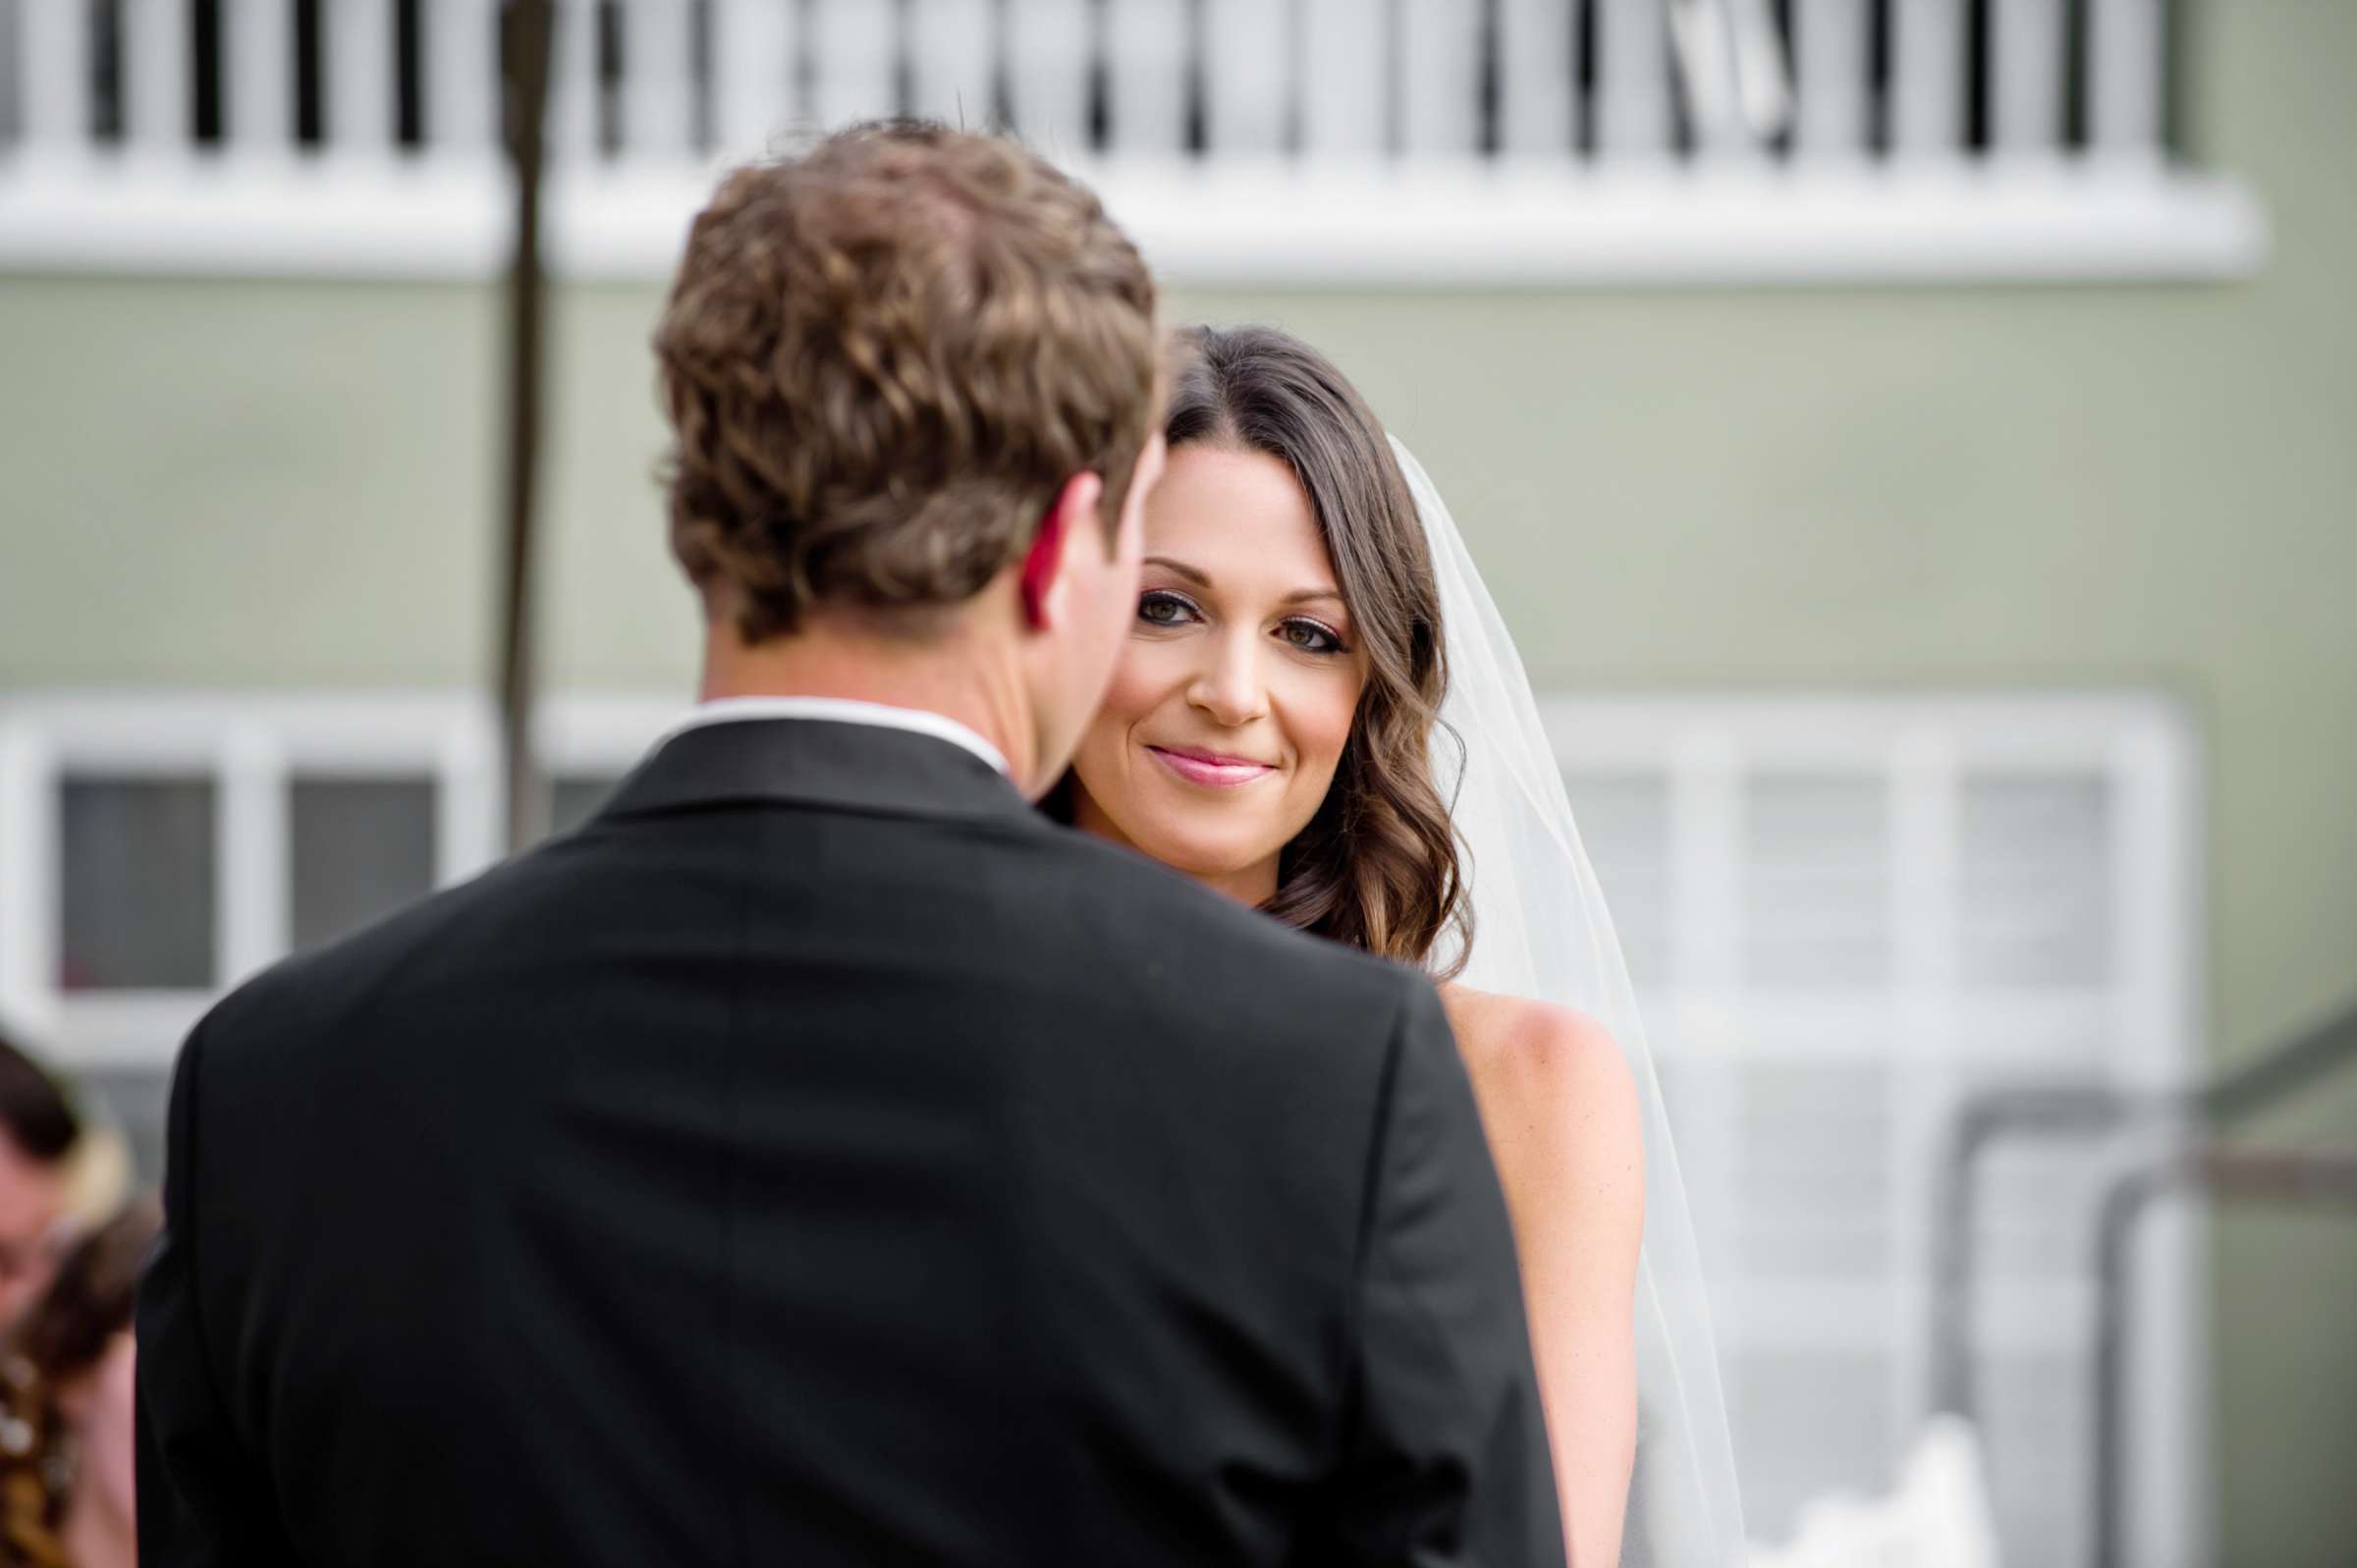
<point x="839" y="710"/>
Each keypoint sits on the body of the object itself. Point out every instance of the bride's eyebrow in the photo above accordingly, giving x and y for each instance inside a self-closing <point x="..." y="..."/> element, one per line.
<point x="1202" y="579"/>
<point x="1194" y="574"/>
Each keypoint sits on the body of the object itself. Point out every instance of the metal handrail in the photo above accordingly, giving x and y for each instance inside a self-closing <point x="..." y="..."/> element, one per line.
<point x="2078" y="1110"/>
<point x="2242" y="1176"/>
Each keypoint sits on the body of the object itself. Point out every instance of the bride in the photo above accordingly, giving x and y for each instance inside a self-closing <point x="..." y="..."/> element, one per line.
<point x="1290" y="726"/>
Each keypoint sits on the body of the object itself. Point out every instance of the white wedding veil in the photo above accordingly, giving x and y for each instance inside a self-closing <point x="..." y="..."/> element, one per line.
<point x="1541" y="930"/>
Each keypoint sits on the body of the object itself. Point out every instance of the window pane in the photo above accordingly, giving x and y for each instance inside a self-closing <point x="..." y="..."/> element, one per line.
<point x="363" y="848"/>
<point x="1624" y="821"/>
<point x="2038" y="1415"/>
<point x="576" y="798"/>
<point x="1817" y="882"/>
<point x="135" y="884"/>
<point x="1839" y="1399"/>
<point x="2037" y="875"/>
<point x="134" y="1098"/>
<point x="1813" y="1172"/>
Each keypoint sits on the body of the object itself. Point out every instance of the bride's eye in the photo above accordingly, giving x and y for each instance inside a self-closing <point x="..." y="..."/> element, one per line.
<point x="1160" y="608"/>
<point x="1310" y="638"/>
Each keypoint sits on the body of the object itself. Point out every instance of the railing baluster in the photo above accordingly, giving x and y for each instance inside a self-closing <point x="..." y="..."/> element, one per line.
<point x="752" y="68"/>
<point x="156" y="65"/>
<point x="2025" y="75"/>
<point x="1146" y="49"/>
<point x="1632" y="77"/>
<point x="1047" y="74"/>
<point x="575" y="92"/>
<point x="260" y="93"/>
<point x="461" y="75"/>
<point x="356" y="41"/>
<point x="1830" y="65"/>
<point x="851" y="54"/>
<point x="1248" y="74"/>
<point x="657" y="100"/>
<point x="2125" y="66"/>
<point x="952" y="57"/>
<point x="1535" y="62"/>
<point x="10" y="76"/>
<point x="1344" y="81"/>
<point x="58" y="76"/>
<point x="1926" y="78"/>
<point x="1439" y="75"/>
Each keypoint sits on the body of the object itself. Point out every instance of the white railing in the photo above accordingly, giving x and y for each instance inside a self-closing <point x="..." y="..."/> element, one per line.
<point x="1404" y="140"/>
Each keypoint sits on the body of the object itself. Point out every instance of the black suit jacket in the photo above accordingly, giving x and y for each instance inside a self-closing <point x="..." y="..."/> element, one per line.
<point x="821" y="1158"/>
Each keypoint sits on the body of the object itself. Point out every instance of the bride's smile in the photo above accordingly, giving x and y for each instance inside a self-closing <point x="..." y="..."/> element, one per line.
<point x="1233" y="703"/>
<point x="1213" y="770"/>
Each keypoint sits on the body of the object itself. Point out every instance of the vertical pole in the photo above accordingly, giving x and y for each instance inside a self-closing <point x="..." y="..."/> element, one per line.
<point x="525" y="76"/>
<point x="2116" y="1224"/>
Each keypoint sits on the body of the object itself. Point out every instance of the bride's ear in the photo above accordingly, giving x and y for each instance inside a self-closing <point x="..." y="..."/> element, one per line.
<point x="1047" y="565"/>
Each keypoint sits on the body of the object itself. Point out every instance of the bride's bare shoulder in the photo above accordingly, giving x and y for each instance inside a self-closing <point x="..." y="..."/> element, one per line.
<point x="1489" y="1023"/>
<point x="1538" y="1048"/>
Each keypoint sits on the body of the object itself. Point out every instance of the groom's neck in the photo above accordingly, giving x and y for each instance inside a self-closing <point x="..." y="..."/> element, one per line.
<point x="951" y="668"/>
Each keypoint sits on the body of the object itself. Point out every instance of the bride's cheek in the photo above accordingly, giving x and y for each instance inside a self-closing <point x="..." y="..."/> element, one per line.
<point x="1129" y="694"/>
<point x="1322" y="722"/>
<point x="1148" y="676"/>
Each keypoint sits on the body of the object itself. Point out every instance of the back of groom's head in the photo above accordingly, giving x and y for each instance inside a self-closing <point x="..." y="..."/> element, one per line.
<point x="883" y="359"/>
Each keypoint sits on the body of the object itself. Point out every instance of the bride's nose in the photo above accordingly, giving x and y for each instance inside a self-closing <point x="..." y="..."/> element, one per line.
<point x="1229" y="689"/>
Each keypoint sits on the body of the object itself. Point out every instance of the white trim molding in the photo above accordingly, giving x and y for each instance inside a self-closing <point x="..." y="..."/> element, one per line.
<point x="1438" y="223"/>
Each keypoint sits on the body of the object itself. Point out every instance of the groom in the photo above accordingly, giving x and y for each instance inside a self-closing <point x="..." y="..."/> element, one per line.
<point x="822" y="1159"/>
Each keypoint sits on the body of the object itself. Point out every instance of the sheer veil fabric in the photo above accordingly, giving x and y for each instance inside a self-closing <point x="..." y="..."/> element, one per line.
<point x="1540" y="928"/>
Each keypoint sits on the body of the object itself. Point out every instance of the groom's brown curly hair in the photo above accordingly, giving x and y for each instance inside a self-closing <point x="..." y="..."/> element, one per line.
<point x="881" y="360"/>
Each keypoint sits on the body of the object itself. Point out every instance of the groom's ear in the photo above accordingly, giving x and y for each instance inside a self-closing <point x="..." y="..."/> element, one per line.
<point x="1046" y="565"/>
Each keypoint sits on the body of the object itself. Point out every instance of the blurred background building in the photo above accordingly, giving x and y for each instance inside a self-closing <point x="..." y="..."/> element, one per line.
<point x="1928" y="524"/>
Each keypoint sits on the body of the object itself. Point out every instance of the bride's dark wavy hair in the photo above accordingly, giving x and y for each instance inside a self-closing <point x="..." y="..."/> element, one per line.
<point x="1377" y="867"/>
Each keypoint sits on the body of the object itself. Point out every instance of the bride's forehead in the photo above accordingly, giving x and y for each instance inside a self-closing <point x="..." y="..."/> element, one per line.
<point x="1243" y="513"/>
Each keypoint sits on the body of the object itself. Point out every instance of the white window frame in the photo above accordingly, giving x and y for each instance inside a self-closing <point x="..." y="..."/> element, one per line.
<point x="2146" y="750"/>
<point x="251" y="746"/>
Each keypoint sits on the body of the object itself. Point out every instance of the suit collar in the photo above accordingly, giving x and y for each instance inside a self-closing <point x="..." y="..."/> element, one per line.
<point x="733" y="710"/>
<point x="855" y="767"/>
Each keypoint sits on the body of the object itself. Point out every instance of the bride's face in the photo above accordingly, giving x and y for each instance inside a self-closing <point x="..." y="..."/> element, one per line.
<point x="1234" y="699"/>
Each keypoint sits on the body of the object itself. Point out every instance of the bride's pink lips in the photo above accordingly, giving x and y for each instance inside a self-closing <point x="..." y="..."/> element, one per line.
<point x="1210" y="769"/>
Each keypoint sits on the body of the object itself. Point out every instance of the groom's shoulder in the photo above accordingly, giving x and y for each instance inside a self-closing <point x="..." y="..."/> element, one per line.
<point x="1168" y="934"/>
<point x="285" y="1011"/>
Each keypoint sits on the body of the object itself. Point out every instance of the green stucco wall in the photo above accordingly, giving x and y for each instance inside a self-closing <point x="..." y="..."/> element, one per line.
<point x="237" y="482"/>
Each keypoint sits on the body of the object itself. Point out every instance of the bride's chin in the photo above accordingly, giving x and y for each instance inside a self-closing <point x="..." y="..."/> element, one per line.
<point x="1222" y="865"/>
